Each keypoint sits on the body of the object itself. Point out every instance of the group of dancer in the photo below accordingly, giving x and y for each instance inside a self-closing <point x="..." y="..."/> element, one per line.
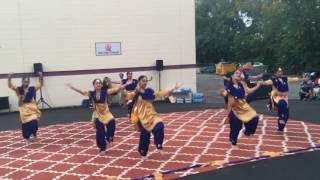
<point x="139" y="99"/>
<point x="239" y="95"/>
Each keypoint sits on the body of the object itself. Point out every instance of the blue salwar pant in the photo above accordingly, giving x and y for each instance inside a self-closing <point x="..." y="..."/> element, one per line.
<point x="104" y="133"/>
<point x="29" y="128"/>
<point x="158" y="133"/>
<point x="283" y="114"/>
<point x="236" y="126"/>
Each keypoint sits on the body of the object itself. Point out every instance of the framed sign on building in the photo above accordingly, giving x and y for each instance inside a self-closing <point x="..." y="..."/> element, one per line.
<point x="108" y="48"/>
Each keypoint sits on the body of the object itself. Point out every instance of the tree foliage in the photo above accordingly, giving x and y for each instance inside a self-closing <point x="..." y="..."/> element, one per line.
<point x="282" y="33"/>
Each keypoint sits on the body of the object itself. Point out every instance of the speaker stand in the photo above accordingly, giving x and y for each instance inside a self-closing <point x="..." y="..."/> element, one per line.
<point x="42" y="101"/>
<point x="159" y="80"/>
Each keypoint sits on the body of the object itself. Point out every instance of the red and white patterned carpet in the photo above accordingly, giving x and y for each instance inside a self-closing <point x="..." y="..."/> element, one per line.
<point x="195" y="141"/>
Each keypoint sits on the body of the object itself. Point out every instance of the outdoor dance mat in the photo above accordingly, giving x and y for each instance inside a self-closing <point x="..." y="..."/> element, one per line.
<point x="195" y="141"/>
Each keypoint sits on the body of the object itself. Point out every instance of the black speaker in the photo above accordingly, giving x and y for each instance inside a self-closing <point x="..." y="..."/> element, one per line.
<point x="4" y="103"/>
<point x="37" y="67"/>
<point x="159" y="65"/>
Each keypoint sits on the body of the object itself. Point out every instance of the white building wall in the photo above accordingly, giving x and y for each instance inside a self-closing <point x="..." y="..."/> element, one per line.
<point x="61" y="34"/>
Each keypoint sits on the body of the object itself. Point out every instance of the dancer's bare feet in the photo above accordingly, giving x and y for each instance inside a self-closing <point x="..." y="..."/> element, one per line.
<point x="27" y="141"/>
<point x="144" y="157"/>
<point x="102" y="153"/>
<point x="110" y="144"/>
<point x="280" y="131"/>
<point x="247" y="135"/>
<point x="160" y="151"/>
<point x="235" y="147"/>
<point x="34" y="139"/>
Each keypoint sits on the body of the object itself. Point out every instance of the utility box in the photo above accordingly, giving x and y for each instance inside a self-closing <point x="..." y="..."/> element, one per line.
<point x="222" y="69"/>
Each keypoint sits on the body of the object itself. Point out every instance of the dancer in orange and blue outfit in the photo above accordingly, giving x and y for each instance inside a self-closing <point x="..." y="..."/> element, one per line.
<point x="28" y="109"/>
<point x="279" y="96"/>
<point x="102" y="119"/>
<point x="144" y="116"/>
<point x="239" y="111"/>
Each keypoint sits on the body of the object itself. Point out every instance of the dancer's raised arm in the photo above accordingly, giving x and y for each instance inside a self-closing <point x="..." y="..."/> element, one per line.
<point x="252" y="90"/>
<point x="163" y="93"/>
<point x="85" y="93"/>
<point x="119" y="88"/>
<point x="10" y="85"/>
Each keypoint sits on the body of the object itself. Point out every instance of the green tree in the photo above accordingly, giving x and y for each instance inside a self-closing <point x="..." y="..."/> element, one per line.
<point x="282" y="33"/>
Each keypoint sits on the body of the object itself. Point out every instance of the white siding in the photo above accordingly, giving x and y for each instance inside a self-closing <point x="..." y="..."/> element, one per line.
<point x="61" y="34"/>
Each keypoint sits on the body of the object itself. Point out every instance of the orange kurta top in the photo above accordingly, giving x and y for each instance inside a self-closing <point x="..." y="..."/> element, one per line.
<point x="28" y="109"/>
<point x="143" y="109"/>
<point x="242" y="110"/>
<point x="100" y="105"/>
<point x="238" y="104"/>
<point x="276" y="93"/>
